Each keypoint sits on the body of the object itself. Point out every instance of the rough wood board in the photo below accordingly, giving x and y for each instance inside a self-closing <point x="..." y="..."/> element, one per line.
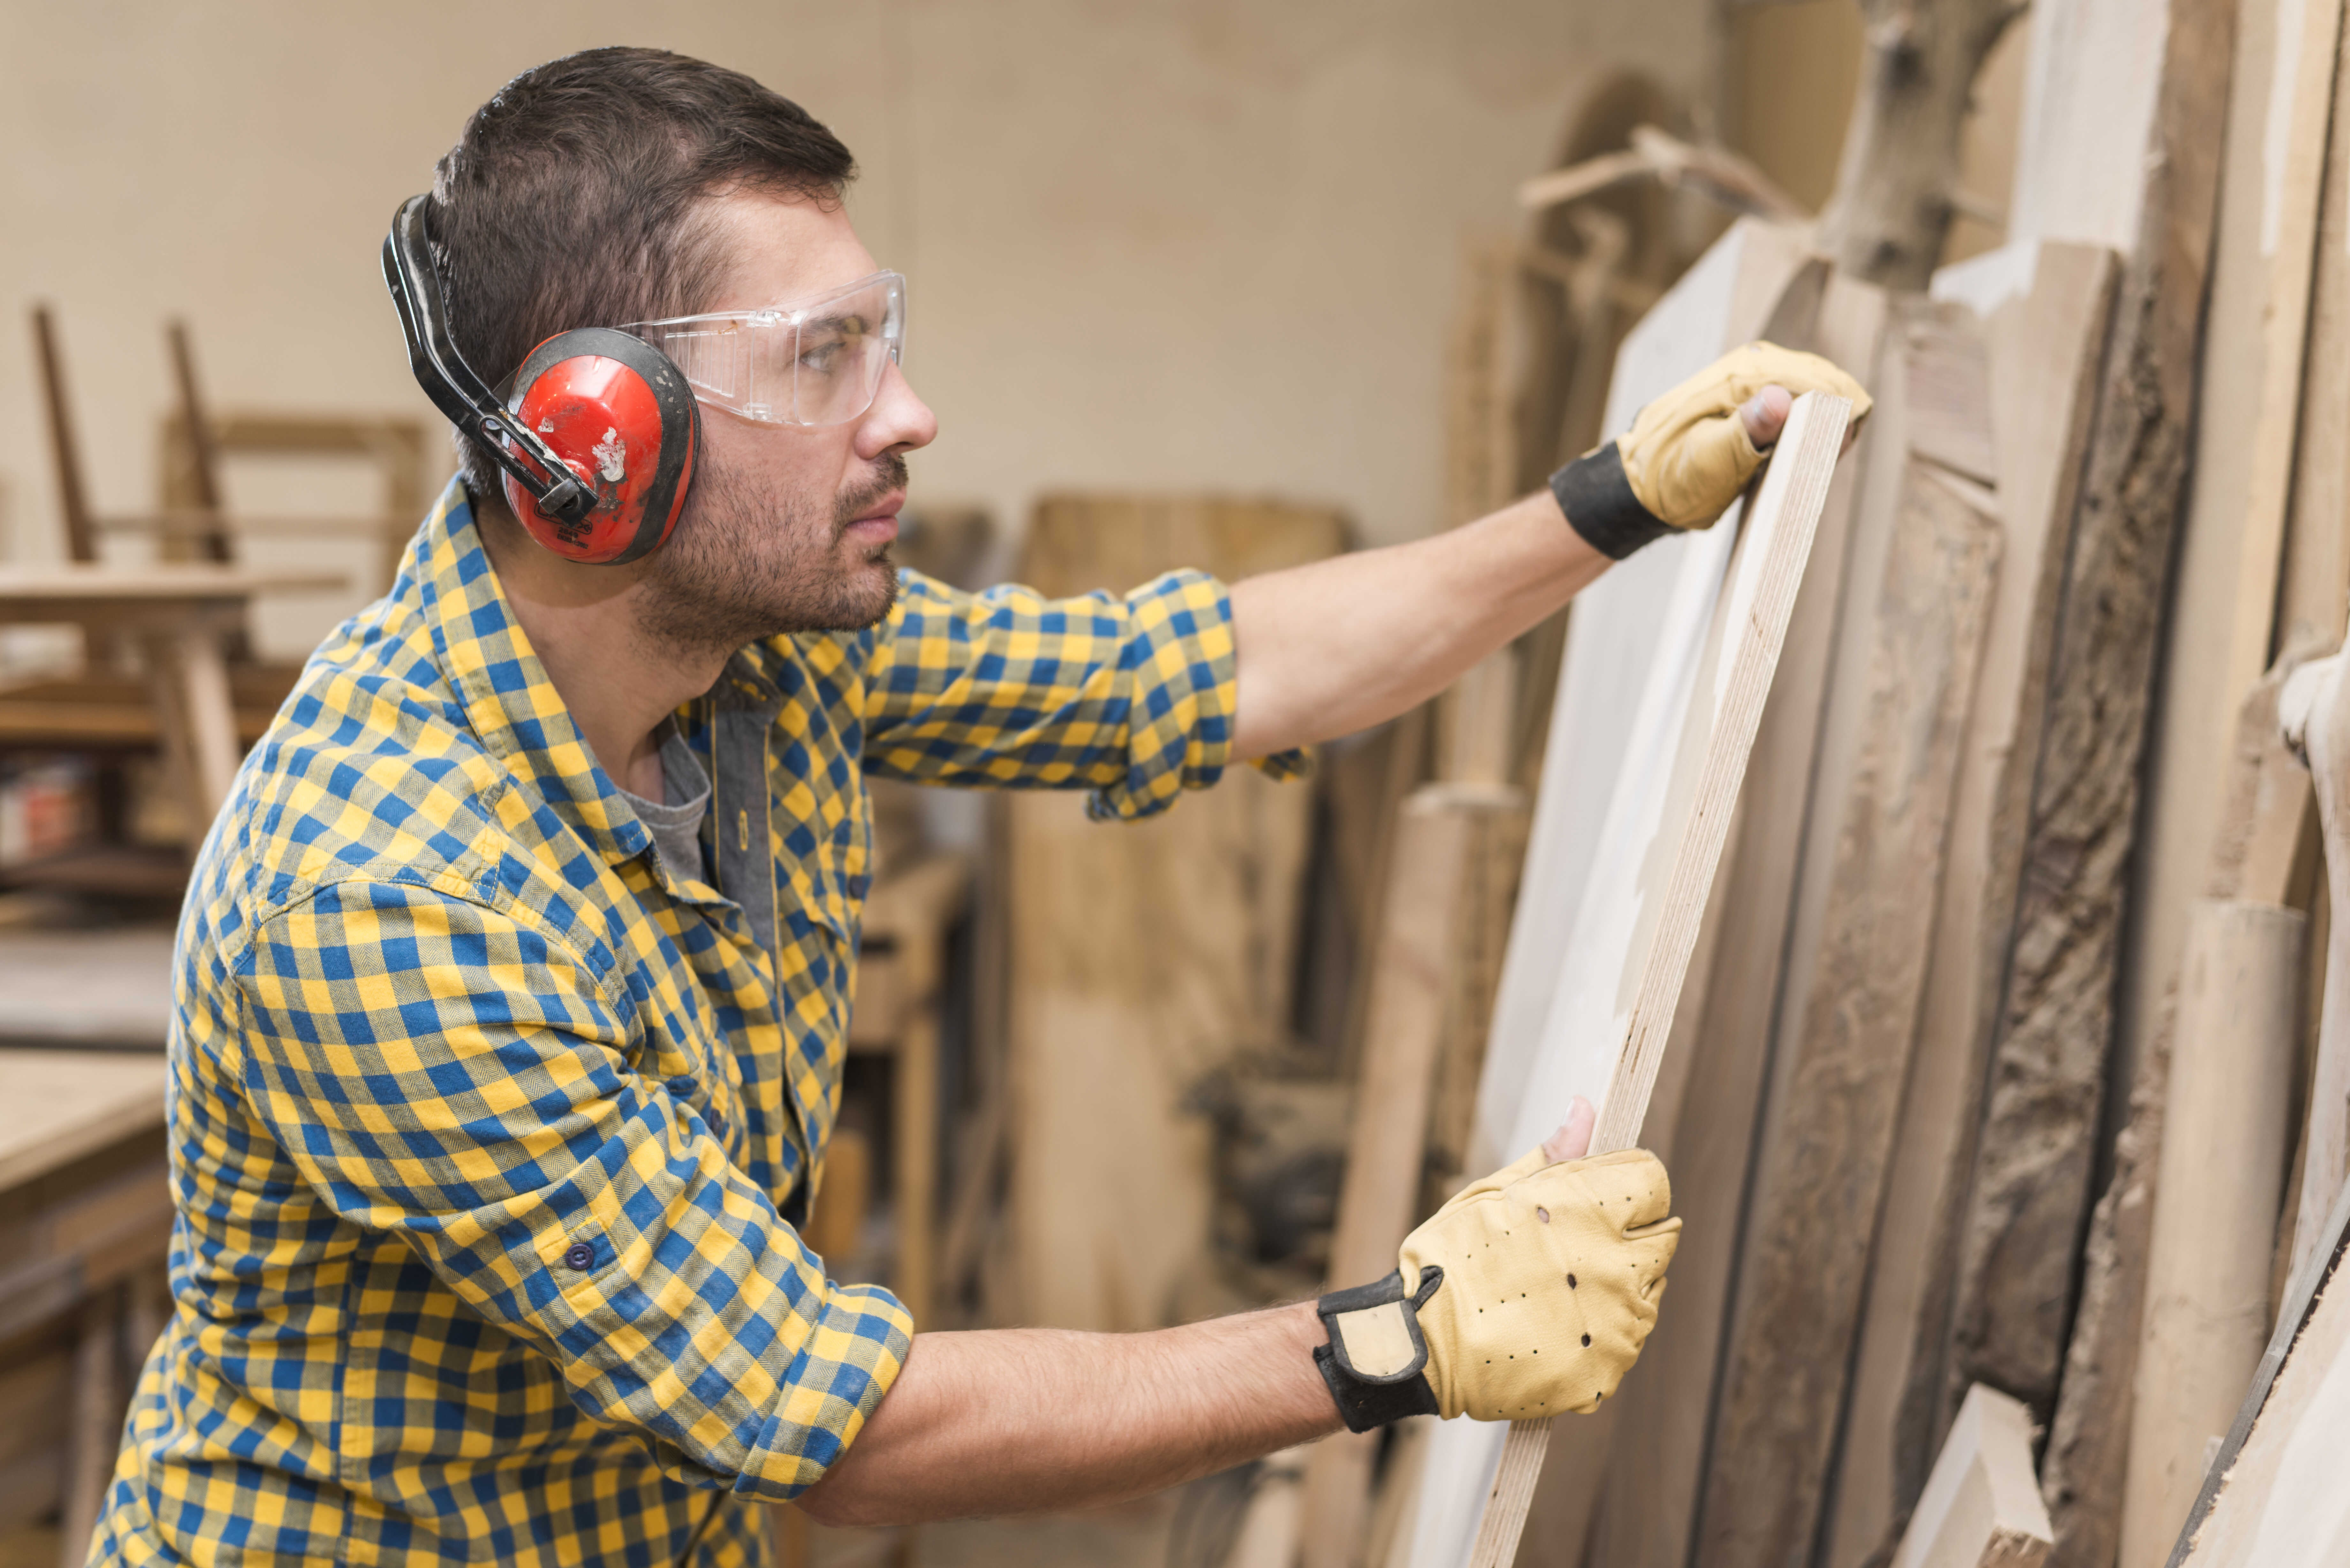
<point x="2088" y="1444"/>
<point x="66" y="1103"/>
<point x="2223" y="1172"/>
<point x="2314" y="591"/>
<point x="1819" y="1189"/>
<point x="2272" y="1496"/>
<point x="1664" y="876"/>
<point x="2028" y="1194"/>
<point x="1654" y="1461"/>
<point x="1981" y="1507"/>
<point x="1611" y="650"/>
<point x="1611" y="657"/>
<point x="2046" y="309"/>
<point x="1141" y="954"/>
<point x="2292" y="191"/>
<point x="2182" y="771"/>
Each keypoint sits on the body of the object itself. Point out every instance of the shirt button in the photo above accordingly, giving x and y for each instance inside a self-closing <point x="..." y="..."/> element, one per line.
<point x="579" y="1255"/>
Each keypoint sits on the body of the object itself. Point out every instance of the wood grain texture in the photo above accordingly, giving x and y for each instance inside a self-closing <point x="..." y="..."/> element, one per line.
<point x="2045" y="307"/>
<point x="1654" y="1457"/>
<point x="2028" y="1194"/>
<point x="2086" y="1466"/>
<point x="1749" y="628"/>
<point x="1819" y="1189"/>
<point x="1629" y="643"/>
<point x="2295" y="184"/>
<point x="1141" y="955"/>
<point x="2222" y="1172"/>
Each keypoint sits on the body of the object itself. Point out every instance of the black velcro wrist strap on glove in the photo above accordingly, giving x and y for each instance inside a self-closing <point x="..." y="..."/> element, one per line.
<point x="1376" y="1360"/>
<point x="1598" y="502"/>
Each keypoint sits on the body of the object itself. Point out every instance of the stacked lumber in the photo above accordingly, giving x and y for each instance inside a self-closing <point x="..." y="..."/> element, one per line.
<point x="1883" y="1092"/>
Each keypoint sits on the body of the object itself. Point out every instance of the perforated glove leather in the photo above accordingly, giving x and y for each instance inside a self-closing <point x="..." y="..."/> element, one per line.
<point x="1688" y="454"/>
<point x="1529" y="1293"/>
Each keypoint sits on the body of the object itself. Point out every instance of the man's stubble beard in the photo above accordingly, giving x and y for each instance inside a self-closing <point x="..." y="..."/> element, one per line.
<point x="722" y="583"/>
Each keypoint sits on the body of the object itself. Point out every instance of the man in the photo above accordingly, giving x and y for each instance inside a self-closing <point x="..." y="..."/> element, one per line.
<point x="513" y="977"/>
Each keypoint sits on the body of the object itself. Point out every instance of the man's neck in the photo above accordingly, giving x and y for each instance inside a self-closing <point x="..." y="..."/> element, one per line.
<point x="616" y="682"/>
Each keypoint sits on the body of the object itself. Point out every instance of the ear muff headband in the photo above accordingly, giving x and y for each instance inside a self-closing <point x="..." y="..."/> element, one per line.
<point x="453" y="387"/>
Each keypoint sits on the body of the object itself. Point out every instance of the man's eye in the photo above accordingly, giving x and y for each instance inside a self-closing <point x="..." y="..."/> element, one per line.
<point x="824" y="354"/>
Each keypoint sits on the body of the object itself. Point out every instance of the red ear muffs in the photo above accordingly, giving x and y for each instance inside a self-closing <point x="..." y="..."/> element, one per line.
<point x="620" y="414"/>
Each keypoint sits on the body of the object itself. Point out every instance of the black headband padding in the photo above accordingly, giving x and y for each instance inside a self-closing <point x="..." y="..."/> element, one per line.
<point x="453" y="385"/>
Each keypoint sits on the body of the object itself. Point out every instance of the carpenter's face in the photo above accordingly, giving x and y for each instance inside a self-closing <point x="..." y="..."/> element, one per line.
<point x="787" y="527"/>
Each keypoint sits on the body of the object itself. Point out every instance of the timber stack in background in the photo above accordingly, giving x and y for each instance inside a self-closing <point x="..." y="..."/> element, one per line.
<point x="2007" y="1124"/>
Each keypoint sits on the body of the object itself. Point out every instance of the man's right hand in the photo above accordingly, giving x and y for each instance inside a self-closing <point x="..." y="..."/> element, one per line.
<point x="1530" y="1293"/>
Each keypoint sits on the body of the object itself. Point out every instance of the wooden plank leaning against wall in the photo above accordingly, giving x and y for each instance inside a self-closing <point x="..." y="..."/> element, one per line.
<point x="1651" y="1464"/>
<point x="1858" y="978"/>
<point x="2258" y="846"/>
<point x="2027" y="1190"/>
<point x="2044" y="308"/>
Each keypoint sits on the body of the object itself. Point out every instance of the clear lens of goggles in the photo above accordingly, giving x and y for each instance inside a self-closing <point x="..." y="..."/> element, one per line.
<point x="812" y="362"/>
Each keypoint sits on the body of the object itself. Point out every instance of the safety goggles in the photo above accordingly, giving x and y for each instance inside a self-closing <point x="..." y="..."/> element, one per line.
<point x="812" y="362"/>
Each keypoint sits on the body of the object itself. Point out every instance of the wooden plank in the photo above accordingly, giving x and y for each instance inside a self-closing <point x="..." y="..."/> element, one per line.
<point x="2045" y="307"/>
<point x="2223" y="1172"/>
<point x="1818" y="1190"/>
<point x="1141" y="954"/>
<point x="1411" y="988"/>
<point x="94" y="1429"/>
<point x="2028" y="1189"/>
<point x="66" y="1103"/>
<point x="1981" y="1507"/>
<point x="2272" y="1496"/>
<point x="2315" y="717"/>
<point x="2313" y="591"/>
<point x="1654" y="1457"/>
<point x="1616" y="643"/>
<point x="2270" y="384"/>
<point x="1702" y="780"/>
<point x="2295" y="183"/>
<point x="2086" y="1463"/>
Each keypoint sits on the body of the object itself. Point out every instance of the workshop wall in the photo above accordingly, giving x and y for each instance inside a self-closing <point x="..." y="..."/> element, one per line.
<point x="1203" y="245"/>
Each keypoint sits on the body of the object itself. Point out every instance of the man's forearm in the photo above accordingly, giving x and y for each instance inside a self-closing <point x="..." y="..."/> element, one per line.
<point x="1016" y="1420"/>
<point x="1337" y="646"/>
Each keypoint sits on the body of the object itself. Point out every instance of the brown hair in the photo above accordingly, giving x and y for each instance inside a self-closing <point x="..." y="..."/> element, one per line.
<point x="576" y="198"/>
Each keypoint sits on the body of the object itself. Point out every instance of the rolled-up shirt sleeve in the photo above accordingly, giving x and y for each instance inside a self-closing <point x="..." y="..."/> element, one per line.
<point x="447" y="1072"/>
<point x="1130" y="696"/>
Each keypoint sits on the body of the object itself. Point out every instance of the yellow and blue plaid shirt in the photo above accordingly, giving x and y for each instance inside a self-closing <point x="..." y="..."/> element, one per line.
<point x="490" y="1130"/>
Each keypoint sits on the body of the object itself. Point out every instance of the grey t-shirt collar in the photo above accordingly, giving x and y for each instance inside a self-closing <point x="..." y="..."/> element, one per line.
<point x="675" y="821"/>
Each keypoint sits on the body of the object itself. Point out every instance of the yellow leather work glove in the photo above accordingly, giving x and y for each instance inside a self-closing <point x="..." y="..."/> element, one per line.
<point x="1528" y="1294"/>
<point x="1688" y="454"/>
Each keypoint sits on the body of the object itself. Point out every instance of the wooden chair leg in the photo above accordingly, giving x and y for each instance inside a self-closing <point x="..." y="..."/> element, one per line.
<point x="94" y="1426"/>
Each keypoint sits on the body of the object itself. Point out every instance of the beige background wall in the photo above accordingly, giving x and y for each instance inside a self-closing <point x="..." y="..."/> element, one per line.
<point x="1204" y="245"/>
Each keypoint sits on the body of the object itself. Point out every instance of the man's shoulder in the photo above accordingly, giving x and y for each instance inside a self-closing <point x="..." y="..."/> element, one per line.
<point x="370" y="770"/>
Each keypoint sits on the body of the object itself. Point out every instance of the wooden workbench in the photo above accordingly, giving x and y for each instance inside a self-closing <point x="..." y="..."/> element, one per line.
<point x="85" y="1221"/>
